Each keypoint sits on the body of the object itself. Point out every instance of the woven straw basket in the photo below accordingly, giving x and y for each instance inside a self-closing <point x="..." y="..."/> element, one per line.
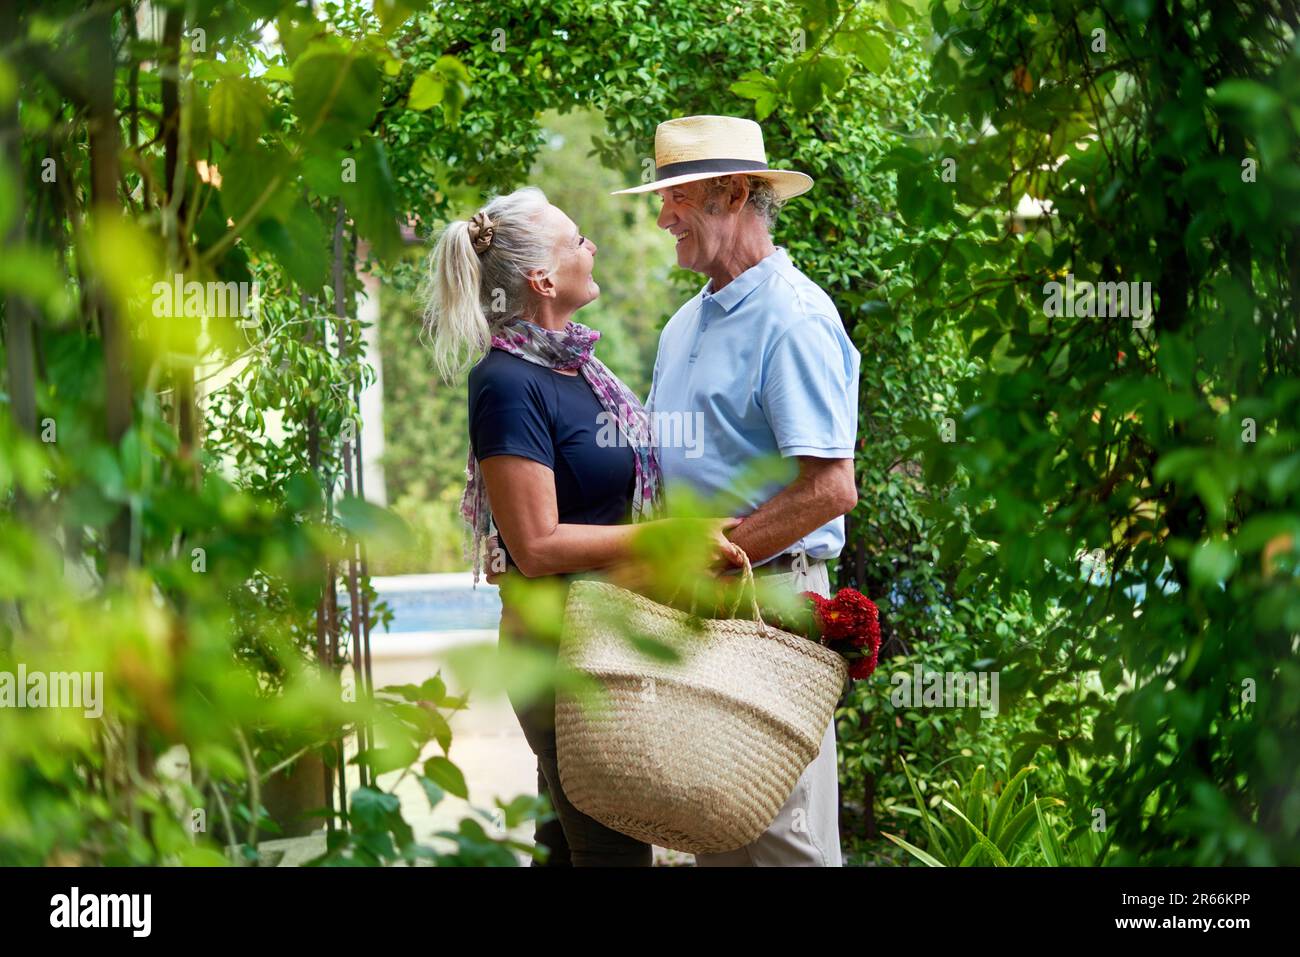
<point x="698" y="755"/>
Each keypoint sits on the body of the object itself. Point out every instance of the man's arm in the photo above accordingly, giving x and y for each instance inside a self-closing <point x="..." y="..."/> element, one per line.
<point x="809" y="396"/>
<point x="824" y="490"/>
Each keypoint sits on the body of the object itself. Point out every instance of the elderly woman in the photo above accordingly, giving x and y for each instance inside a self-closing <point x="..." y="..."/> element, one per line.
<point x="504" y="286"/>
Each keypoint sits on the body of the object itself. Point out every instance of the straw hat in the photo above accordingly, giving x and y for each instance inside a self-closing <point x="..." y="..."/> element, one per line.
<point x="700" y="147"/>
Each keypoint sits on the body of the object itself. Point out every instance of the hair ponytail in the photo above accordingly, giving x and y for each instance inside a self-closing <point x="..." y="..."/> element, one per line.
<point x="453" y="319"/>
<point x="467" y="294"/>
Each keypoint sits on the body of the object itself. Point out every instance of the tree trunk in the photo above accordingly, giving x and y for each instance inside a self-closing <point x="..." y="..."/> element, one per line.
<point x="97" y="40"/>
<point x="19" y="314"/>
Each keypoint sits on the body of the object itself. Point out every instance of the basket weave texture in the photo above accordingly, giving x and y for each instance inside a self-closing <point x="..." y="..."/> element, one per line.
<point x="697" y="755"/>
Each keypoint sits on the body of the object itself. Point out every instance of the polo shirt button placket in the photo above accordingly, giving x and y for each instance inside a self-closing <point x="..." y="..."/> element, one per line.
<point x="704" y="325"/>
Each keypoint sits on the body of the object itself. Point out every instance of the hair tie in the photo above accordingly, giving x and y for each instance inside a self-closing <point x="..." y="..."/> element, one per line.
<point x="481" y="229"/>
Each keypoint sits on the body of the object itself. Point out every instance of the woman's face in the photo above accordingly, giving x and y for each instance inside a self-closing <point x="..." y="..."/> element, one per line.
<point x="574" y="256"/>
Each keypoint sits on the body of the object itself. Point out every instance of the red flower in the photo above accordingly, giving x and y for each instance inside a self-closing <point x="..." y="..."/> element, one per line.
<point x="817" y="600"/>
<point x="848" y="624"/>
<point x="849" y="618"/>
<point x="849" y="615"/>
<point x="860" y="668"/>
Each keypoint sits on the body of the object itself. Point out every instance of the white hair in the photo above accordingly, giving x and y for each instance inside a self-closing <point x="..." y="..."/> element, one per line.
<point x="763" y="199"/>
<point x="468" y="295"/>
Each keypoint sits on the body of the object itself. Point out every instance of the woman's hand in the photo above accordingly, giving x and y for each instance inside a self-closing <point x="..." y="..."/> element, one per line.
<point x="722" y="552"/>
<point x="729" y="550"/>
<point x="641" y="575"/>
<point x="726" y="552"/>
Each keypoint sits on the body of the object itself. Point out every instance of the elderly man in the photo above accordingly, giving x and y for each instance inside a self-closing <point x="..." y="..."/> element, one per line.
<point x="760" y="359"/>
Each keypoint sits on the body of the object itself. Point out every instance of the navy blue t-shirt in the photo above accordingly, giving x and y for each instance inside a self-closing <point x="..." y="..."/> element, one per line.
<point x="517" y="407"/>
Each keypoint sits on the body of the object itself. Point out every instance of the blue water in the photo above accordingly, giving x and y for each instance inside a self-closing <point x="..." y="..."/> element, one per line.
<point x="443" y="609"/>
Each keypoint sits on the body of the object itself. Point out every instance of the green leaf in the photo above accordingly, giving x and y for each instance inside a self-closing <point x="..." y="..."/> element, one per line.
<point x="371" y="523"/>
<point x="975" y="798"/>
<point x="247" y="175"/>
<point x="971" y="855"/>
<point x="1283" y="474"/>
<point x="456" y="89"/>
<point x="1247" y="96"/>
<point x="939" y="17"/>
<point x="652" y="648"/>
<point x="435" y="689"/>
<point x="1212" y="563"/>
<point x="1017" y="824"/>
<point x="819" y="15"/>
<point x="1176" y="359"/>
<point x="371" y="809"/>
<point x="1047" y="840"/>
<point x="447" y="776"/>
<point x="235" y="110"/>
<point x="1179" y="464"/>
<point x="371" y="198"/>
<point x="900" y="14"/>
<point x="434" y="793"/>
<point x="32" y="272"/>
<point x="203" y="857"/>
<point x="1258" y="530"/>
<point x="920" y="803"/>
<point x="392" y="757"/>
<point x="871" y="49"/>
<point x="393" y="13"/>
<point x="998" y="858"/>
<point x="760" y="88"/>
<point x="299" y="243"/>
<point x="1209" y="485"/>
<point x="427" y="91"/>
<point x="1005" y="802"/>
<point x="452" y="68"/>
<point x="441" y="730"/>
<point x="524" y="807"/>
<point x="808" y="82"/>
<point x="911" y="201"/>
<point x="915" y="851"/>
<point x="335" y="94"/>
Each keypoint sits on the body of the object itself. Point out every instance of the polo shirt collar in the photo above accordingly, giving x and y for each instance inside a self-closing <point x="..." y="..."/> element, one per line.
<point x="733" y="292"/>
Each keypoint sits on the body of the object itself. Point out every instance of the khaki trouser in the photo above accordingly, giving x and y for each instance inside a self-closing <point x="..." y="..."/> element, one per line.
<point x="806" y="832"/>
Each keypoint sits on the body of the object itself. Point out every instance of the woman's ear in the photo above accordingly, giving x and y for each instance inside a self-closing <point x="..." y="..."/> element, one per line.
<point x="542" y="284"/>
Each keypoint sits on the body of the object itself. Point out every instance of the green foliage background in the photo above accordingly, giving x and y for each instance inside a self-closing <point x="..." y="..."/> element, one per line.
<point x="1155" y="683"/>
<point x="1071" y="435"/>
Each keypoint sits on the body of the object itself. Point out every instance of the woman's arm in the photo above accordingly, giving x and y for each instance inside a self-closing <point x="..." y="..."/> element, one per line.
<point x="522" y="496"/>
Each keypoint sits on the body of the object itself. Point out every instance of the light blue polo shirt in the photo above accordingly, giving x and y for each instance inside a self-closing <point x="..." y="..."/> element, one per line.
<point x="763" y="370"/>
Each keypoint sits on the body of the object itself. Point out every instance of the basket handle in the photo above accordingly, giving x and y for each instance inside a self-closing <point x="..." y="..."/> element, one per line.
<point x="747" y="582"/>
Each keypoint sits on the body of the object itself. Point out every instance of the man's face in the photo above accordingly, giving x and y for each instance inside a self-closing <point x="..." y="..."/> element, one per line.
<point x="702" y="236"/>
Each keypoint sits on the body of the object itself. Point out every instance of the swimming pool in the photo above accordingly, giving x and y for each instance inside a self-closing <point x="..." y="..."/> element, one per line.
<point x="436" y="603"/>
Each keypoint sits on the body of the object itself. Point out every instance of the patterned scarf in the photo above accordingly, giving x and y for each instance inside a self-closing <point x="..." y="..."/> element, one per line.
<point x="574" y="348"/>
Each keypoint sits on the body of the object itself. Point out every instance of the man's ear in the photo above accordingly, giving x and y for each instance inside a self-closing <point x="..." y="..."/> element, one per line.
<point x="739" y="194"/>
<point x="542" y="284"/>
